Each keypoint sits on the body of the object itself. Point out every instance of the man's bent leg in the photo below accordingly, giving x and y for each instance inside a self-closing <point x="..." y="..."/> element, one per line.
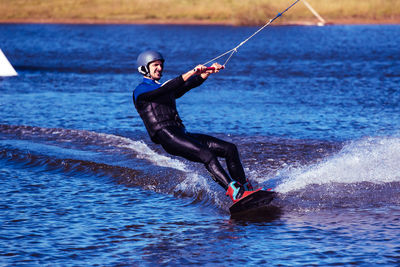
<point x="176" y="142"/>
<point x="218" y="173"/>
<point x="226" y="150"/>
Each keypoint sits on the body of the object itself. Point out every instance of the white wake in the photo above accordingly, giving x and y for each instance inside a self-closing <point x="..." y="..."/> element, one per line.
<point x="375" y="160"/>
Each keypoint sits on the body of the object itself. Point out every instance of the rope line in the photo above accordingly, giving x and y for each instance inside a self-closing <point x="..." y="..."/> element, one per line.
<point x="234" y="50"/>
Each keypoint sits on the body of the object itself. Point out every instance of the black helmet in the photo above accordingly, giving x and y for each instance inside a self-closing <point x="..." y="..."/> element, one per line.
<point x="145" y="58"/>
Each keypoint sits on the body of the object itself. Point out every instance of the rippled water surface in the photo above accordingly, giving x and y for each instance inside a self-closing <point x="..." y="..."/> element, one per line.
<point x="314" y="112"/>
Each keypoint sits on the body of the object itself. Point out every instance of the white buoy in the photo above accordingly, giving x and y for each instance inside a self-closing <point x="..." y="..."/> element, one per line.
<point x="6" y="69"/>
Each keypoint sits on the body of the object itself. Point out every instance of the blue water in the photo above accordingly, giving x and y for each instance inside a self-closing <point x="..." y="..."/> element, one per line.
<point x="314" y="112"/>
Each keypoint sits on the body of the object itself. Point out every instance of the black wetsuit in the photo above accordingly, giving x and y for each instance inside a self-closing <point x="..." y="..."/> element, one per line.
<point x="156" y="105"/>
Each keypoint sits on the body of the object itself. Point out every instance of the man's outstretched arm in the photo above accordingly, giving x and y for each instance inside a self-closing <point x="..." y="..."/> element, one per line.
<point x="201" y="73"/>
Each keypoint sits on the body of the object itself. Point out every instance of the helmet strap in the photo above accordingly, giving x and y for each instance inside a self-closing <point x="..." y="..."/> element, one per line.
<point x="144" y="70"/>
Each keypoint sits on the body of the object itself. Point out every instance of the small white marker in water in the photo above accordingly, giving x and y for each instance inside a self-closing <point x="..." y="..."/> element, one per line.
<point x="6" y="69"/>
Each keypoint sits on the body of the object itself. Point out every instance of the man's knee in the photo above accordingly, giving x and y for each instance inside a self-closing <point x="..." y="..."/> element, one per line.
<point x="231" y="149"/>
<point x="206" y="155"/>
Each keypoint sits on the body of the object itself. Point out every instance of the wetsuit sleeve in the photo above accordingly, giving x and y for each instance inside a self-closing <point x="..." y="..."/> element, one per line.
<point x="171" y="85"/>
<point x="191" y="83"/>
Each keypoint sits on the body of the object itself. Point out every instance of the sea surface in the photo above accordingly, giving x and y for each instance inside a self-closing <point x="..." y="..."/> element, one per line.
<point x="314" y="111"/>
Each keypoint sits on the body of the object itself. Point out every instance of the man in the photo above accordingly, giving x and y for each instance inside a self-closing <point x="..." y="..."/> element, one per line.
<point x="156" y="105"/>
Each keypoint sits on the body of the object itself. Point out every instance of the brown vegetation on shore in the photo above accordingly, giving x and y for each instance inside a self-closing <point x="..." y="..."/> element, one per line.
<point x="230" y="12"/>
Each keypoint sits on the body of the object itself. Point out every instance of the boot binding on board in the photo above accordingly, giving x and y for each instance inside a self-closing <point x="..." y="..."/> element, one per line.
<point x="236" y="191"/>
<point x="247" y="186"/>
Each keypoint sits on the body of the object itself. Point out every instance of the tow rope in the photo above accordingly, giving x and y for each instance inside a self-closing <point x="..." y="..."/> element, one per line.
<point x="234" y="50"/>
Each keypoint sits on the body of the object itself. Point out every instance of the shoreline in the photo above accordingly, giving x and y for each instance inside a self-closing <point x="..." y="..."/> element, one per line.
<point x="352" y="21"/>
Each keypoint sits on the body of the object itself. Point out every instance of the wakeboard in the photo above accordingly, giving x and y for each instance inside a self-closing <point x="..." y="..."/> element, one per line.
<point x="258" y="199"/>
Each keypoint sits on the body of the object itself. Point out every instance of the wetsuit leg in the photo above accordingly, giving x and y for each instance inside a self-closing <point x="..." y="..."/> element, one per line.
<point x="225" y="150"/>
<point x="177" y="142"/>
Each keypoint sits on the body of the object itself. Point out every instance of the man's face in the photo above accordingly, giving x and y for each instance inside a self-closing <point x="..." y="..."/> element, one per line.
<point x="155" y="69"/>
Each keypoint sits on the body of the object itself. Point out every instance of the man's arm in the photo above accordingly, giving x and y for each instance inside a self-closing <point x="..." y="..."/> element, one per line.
<point x="180" y="84"/>
<point x="148" y="92"/>
<point x="201" y="74"/>
<point x="191" y="83"/>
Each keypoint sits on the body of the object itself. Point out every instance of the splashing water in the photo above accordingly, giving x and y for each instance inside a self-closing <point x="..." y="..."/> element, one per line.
<point x="372" y="160"/>
<point x="147" y="153"/>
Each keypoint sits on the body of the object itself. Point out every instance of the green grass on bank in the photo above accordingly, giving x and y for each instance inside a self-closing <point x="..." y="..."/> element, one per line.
<point x="237" y="12"/>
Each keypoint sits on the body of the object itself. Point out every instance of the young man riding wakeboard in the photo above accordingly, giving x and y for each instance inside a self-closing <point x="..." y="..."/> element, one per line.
<point x="156" y="105"/>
